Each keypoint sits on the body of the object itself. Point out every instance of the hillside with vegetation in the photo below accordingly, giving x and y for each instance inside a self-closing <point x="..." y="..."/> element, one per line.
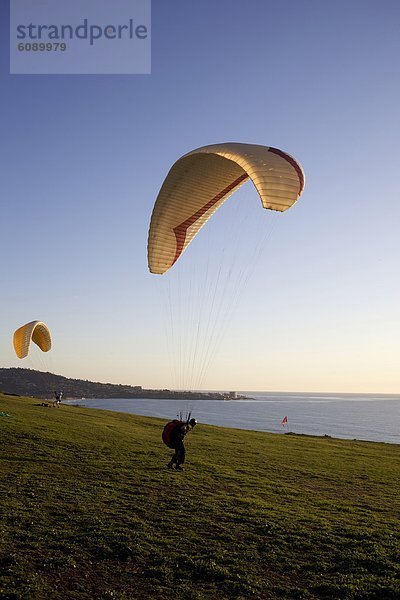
<point x="89" y="510"/>
<point x="38" y="384"/>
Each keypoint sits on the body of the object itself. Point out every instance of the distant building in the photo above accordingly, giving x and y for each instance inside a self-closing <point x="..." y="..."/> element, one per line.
<point x="232" y="395"/>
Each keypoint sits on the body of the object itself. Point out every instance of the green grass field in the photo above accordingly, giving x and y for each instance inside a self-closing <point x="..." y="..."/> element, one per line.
<point x="89" y="510"/>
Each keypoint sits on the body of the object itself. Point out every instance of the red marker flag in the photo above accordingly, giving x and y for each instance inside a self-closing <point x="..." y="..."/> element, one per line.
<point x="284" y="421"/>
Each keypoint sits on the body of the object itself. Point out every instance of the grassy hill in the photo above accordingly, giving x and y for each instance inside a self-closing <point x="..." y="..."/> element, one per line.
<point x="89" y="510"/>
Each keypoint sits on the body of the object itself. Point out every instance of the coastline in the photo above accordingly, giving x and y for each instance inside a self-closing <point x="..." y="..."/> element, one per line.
<point x="337" y="419"/>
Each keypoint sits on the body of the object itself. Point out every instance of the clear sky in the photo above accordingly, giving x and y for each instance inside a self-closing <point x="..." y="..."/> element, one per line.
<point x="83" y="158"/>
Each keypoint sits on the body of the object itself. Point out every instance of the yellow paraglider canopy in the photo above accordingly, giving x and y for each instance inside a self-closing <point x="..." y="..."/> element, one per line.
<point x="200" y="182"/>
<point x="36" y="331"/>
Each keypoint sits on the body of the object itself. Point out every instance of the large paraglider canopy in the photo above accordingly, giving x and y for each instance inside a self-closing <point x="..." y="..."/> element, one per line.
<point x="200" y="182"/>
<point x="36" y="331"/>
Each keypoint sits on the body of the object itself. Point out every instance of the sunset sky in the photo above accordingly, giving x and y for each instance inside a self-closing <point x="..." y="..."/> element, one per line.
<point x="83" y="158"/>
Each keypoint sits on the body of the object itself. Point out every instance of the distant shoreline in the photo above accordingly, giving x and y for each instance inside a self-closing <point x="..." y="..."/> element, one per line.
<point x="154" y="395"/>
<point x="38" y="384"/>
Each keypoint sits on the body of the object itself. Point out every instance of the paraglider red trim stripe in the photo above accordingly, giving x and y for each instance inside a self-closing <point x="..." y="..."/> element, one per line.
<point x="294" y="164"/>
<point x="181" y="230"/>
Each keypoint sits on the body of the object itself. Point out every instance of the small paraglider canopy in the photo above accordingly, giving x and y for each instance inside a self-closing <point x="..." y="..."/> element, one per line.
<point x="200" y="182"/>
<point x="38" y="332"/>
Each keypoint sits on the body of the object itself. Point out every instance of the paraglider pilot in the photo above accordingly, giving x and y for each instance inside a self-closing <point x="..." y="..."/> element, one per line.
<point x="57" y="399"/>
<point x="174" y="435"/>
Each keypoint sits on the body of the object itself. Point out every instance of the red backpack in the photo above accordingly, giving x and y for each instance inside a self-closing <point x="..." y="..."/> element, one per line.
<point x="168" y="432"/>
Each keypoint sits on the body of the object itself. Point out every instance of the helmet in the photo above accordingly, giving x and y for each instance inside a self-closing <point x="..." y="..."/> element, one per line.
<point x="192" y="422"/>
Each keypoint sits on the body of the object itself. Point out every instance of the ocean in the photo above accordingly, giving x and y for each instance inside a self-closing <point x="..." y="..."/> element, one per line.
<point x="373" y="417"/>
